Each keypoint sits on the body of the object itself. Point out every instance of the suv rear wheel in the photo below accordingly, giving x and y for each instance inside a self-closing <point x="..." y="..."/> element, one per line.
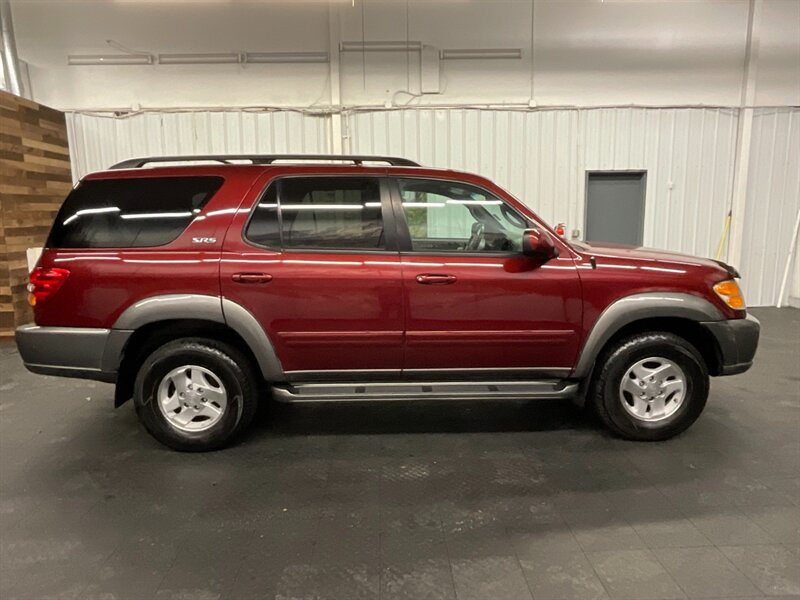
<point x="196" y="394"/>
<point x="650" y="386"/>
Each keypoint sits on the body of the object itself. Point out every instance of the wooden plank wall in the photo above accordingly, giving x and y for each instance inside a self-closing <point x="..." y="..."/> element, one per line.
<point x="35" y="178"/>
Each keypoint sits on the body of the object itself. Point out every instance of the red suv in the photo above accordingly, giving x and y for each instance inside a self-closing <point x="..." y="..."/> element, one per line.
<point x="195" y="288"/>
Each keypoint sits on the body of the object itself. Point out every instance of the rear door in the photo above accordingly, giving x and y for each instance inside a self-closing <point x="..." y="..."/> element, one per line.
<point x="316" y="262"/>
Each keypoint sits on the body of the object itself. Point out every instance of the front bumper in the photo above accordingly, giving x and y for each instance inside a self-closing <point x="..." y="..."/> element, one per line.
<point x="737" y="340"/>
<point x="82" y="352"/>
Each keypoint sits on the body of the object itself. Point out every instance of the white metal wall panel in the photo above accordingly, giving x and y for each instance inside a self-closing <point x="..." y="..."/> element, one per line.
<point x="542" y="158"/>
<point x="794" y="285"/>
<point x="97" y="142"/>
<point x="773" y="199"/>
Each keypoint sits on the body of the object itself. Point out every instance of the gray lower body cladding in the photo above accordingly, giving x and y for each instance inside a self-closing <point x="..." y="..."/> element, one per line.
<point x="82" y="352"/>
<point x="91" y="353"/>
<point x="737" y="340"/>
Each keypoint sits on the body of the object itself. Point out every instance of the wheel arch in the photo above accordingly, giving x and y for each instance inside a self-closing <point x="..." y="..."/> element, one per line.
<point x="678" y="313"/>
<point x="154" y="321"/>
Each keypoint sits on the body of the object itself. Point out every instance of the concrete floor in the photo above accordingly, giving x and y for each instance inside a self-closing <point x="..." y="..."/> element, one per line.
<point x="458" y="501"/>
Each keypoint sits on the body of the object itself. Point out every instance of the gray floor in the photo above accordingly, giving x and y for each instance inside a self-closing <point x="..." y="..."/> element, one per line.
<point x="459" y="501"/>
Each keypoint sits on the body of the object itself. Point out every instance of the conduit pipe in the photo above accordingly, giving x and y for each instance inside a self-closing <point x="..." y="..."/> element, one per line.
<point x="10" y="58"/>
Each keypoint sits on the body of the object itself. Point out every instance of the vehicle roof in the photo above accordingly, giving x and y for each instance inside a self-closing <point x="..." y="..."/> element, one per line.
<point x="257" y="169"/>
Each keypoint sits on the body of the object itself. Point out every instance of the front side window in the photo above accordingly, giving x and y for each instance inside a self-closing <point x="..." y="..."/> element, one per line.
<point x="130" y="213"/>
<point x="448" y="216"/>
<point x="320" y="213"/>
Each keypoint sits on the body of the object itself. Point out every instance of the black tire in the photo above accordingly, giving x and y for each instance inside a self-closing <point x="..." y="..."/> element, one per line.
<point x="230" y="366"/>
<point x="614" y="363"/>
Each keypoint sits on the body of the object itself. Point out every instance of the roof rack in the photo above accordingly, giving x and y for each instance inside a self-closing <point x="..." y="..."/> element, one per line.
<point x="263" y="159"/>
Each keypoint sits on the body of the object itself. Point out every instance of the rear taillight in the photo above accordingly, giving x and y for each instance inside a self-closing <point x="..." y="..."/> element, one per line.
<point x="44" y="282"/>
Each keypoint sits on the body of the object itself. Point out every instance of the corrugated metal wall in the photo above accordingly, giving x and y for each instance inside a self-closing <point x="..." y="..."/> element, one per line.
<point x="97" y="142"/>
<point x="542" y="158"/>
<point x="773" y="199"/>
<point x="539" y="156"/>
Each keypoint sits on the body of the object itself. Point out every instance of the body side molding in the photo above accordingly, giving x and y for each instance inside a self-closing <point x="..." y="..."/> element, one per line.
<point x="635" y="308"/>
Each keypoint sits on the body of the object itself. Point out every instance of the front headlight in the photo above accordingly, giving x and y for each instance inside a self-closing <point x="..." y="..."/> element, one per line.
<point x="730" y="294"/>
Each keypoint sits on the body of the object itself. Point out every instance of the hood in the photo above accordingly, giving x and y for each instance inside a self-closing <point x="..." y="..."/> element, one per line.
<point x="600" y="250"/>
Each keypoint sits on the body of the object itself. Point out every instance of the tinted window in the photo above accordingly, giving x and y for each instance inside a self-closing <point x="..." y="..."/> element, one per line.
<point x="264" y="228"/>
<point x="130" y="213"/>
<point x="320" y="213"/>
<point x="446" y="216"/>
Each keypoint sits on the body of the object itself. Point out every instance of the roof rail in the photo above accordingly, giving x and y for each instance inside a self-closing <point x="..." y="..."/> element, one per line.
<point x="263" y="159"/>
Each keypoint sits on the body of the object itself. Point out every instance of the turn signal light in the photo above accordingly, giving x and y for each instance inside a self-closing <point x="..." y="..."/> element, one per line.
<point x="44" y="282"/>
<point x="730" y="294"/>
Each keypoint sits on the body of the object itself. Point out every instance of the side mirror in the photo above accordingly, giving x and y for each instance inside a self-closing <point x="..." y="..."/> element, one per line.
<point x="539" y="244"/>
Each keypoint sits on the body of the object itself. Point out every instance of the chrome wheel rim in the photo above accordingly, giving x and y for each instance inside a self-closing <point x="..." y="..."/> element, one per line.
<point x="192" y="398"/>
<point x="653" y="389"/>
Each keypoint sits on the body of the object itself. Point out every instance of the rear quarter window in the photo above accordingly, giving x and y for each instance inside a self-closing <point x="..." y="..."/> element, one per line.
<point x="130" y="213"/>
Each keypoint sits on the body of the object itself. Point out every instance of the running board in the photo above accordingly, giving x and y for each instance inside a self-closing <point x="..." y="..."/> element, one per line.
<point x="445" y="390"/>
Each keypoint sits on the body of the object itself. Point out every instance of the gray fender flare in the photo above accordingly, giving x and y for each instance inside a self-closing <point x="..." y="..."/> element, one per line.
<point x="247" y="326"/>
<point x="635" y="308"/>
<point x="193" y="306"/>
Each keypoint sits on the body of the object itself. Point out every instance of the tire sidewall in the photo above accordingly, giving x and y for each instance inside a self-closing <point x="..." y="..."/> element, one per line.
<point x="175" y="355"/>
<point x="694" y="397"/>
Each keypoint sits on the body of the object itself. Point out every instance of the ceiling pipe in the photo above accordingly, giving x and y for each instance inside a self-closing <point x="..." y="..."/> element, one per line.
<point x="10" y="58"/>
<point x="480" y="53"/>
<point x="397" y="46"/>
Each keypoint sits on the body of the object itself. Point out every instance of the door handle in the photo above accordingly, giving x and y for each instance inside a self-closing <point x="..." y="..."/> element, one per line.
<point x="435" y="279"/>
<point x="251" y="277"/>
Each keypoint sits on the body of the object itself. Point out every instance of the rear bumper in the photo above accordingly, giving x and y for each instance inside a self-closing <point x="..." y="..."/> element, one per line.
<point x="737" y="340"/>
<point x="81" y="352"/>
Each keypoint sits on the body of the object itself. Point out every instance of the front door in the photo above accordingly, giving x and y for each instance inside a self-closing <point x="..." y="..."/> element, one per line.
<point x="319" y="270"/>
<point x="474" y="304"/>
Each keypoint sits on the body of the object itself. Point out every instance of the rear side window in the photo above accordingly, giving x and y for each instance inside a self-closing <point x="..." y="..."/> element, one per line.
<point x="320" y="213"/>
<point x="130" y="213"/>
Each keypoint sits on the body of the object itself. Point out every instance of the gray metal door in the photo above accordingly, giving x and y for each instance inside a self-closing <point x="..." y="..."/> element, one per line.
<point x="615" y="207"/>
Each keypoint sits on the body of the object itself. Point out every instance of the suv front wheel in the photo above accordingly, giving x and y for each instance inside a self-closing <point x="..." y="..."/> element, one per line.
<point x="650" y="386"/>
<point x="196" y="394"/>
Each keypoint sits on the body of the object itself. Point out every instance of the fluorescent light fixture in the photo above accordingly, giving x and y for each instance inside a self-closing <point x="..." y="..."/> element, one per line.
<point x="380" y="46"/>
<point x="285" y="57"/>
<point x="474" y="202"/>
<point x="663" y="270"/>
<point x="480" y="53"/>
<point x="163" y="215"/>
<point x="88" y="60"/>
<point x="424" y="204"/>
<point x="223" y="211"/>
<point x="208" y="58"/>
<point x="90" y="211"/>
<point x="322" y="206"/>
<point x="372" y="204"/>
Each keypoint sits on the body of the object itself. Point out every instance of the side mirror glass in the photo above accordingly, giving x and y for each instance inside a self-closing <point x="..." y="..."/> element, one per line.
<point x="539" y="244"/>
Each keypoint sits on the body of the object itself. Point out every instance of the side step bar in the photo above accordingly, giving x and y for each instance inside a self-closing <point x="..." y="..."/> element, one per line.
<point x="444" y="390"/>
